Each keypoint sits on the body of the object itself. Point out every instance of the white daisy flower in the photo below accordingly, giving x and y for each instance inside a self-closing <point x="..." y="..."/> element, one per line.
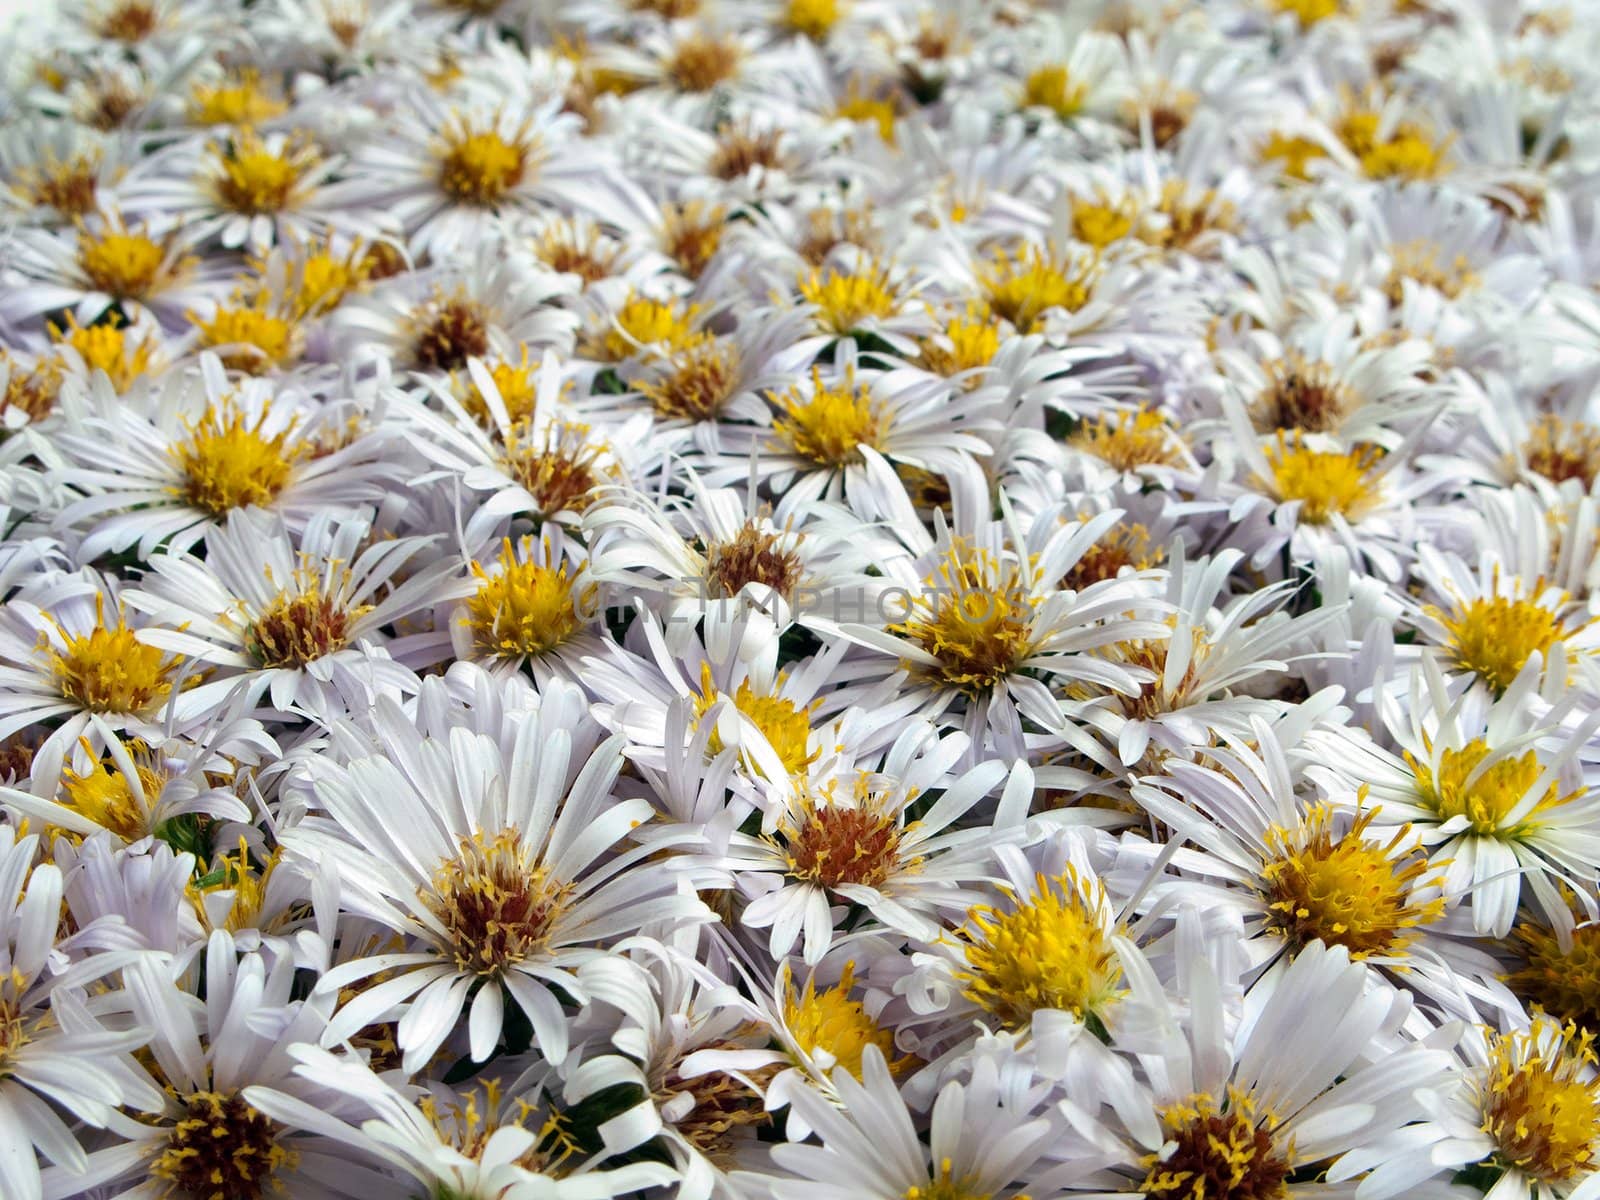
<point x="501" y="885"/>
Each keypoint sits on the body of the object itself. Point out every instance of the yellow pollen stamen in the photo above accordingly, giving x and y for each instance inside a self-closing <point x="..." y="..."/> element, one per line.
<point x="1486" y="797"/>
<point x="1025" y="283"/>
<point x="785" y="725"/>
<point x="106" y="347"/>
<point x="947" y="1186"/>
<point x="109" y="670"/>
<point x="846" y="299"/>
<point x="1346" y="891"/>
<point x="1494" y="636"/>
<point x="1540" y="1103"/>
<point x="1406" y="152"/>
<point x="829" y="425"/>
<point x="240" y="101"/>
<point x="1325" y="482"/>
<point x="497" y="905"/>
<point x="1293" y="153"/>
<point x="122" y="264"/>
<point x="1308" y="12"/>
<point x="1213" y="1151"/>
<point x="831" y="1022"/>
<point x="1049" y="952"/>
<point x="229" y="462"/>
<point x="249" y="177"/>
<point x="522" y="607"/>
<point x="1052" y="87"/>
<point x="481" y="166"/>
<point x="812" y="18"/>
<point x="222" y="1149"/>
<point x="1129" y="440"/>
<point x="642" y="323"/>
<point x="975" y="620"/>
<point x="248" y="338"/>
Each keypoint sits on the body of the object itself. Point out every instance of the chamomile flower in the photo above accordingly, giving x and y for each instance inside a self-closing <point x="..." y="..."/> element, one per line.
<point x="300" y="622"/>
<point x="499" y="890"/>
<point x="201" y="450"/>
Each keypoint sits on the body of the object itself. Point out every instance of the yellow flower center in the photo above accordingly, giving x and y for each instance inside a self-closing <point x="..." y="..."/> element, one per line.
<point x="559" y="469"/>
<point x="32" y="391"/>
<point x="946" y="1186"/>
<point x="1487" y="798"/>
<point x="222" y="1149"/>
<point x="1217" y="1152"/>
<point x="1407" y="152"/>
<point x="237" y="875"/>
<point x="1308" y="12"/>
<point x="1050" y="952"/>
<point x="479" y="166"/>
<point x="844" y="300"/>
<point x="1025" y="283"/>
<point x="1053" y="87"/>
<point x="121" y="264"/>
<point x="701" y="383"/>
<point x="568" y="250"/>
<point x="1293" y="153"/>
<point x="785" y="725"/>
<point x="829" y="425"/>
<point x="1562" y="450"/>
<point x="518" y="385"/>
<point x="105" y="795"/>
<point x="497" y="907"/>
<point x="832" y="842"/>
<point x="300" y="626"/>
<point x="812" y="18"/>
<point x="248" y="338"/>
<point x="1123" y="545"/>
<point x="1345" y="891"/>
<point x="1494" y="636"/>
<point x="229" y="463"/>
<point x="1419" y="262"/>
<point x="831" y="1021"/>
<point x="690" y="234"/>
<point x="863" y="106"/>
<point x="522" y="608"/>
<point x="251" y="178"/>
<point x="1101" y="222"/>
<point x="105" y="347"/>
<point x="324" y="279"/>
<point x="965" y="344"/>
<point x="975" y="620"/>
<point x="1541" y="1106"/>
<point x="698" y="63"/>
<point x="1562" y="982"/>
<point x="1325" y="482"/>
<point x="1128" y="440"/>
<point x="641" y="322"/>
<point x="239" y="101"/>
<point x="70" y="187"/>
<point x="109" y="670"/>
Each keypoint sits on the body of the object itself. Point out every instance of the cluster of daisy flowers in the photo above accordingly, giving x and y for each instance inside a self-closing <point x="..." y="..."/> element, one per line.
<point x="814" y="599"/>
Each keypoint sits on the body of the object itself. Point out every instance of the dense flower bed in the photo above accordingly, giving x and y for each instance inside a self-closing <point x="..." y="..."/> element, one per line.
<point x="824" y="599"/>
